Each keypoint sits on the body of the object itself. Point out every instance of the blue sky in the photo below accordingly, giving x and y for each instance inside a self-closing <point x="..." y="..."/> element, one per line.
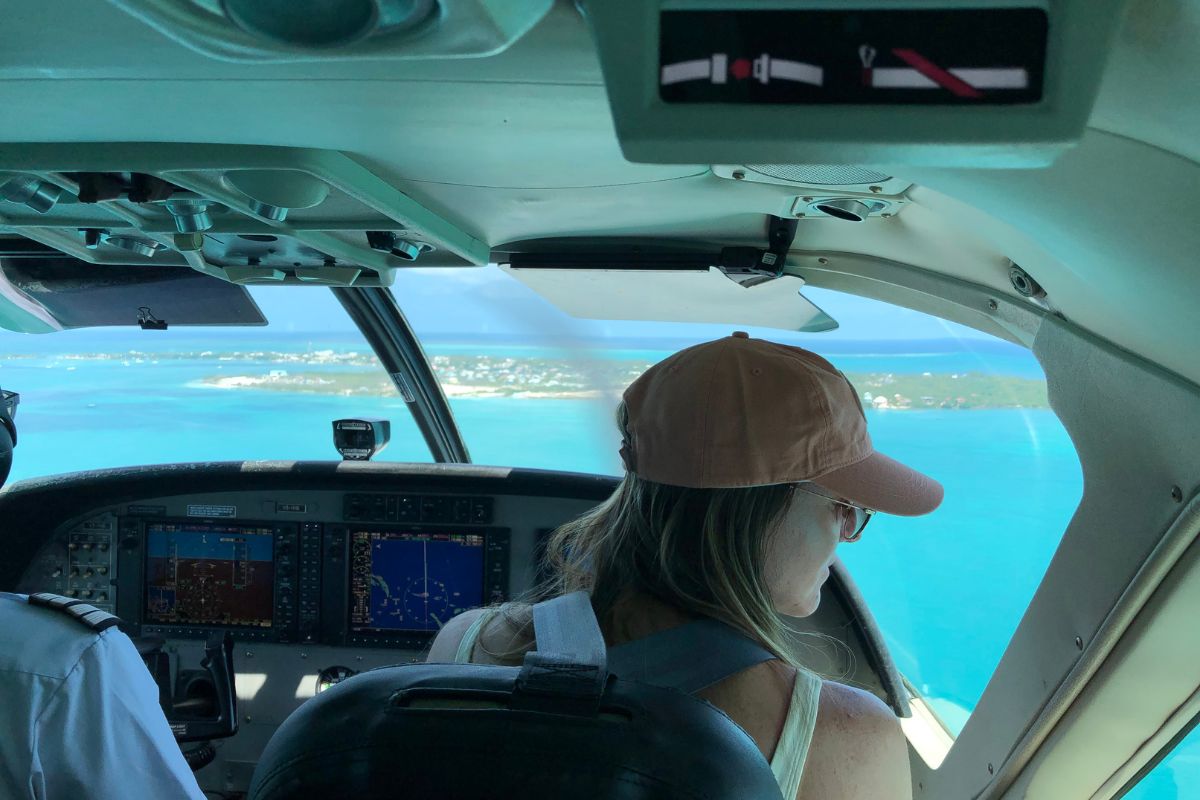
<point x="469" y="302"/>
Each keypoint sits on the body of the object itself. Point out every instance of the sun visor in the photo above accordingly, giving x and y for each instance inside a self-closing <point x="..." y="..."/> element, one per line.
<point x="62" y="293"/>
<point x="962" y="83"/>
<point x="676" y="296"/>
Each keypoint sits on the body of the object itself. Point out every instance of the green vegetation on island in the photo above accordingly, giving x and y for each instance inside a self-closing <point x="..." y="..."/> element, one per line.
<point x="491" y="376"/>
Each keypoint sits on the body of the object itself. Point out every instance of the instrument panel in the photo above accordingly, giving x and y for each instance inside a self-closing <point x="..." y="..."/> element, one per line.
<point x="353" y="569"/>
<point x="316" y="570"/>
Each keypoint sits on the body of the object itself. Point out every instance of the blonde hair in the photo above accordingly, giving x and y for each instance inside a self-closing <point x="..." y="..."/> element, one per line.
<point x="701" y="551"/>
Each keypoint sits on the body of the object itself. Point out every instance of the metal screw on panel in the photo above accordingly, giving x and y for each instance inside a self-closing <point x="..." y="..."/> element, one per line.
<point x="822" y="260"/>
<point x="993" y="305"/>
<point x="1078" y="643"/>
<point x="739" y="175"/>
<point x="806" y="199"/>
<point x="358" y="658"/>
<point x="885" y="216"/>
<point x="249" y="654"/>
<point x="249" y="719"/>
<point x="876" y="189"/>
<point x="991" y="770"/>
<point x="1177" y="494"/>
<point x="304" y="655"/>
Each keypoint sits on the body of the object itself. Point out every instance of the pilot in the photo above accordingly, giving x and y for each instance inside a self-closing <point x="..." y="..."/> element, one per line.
<point x="80" y="715"/>
<point x="747" y="463"/>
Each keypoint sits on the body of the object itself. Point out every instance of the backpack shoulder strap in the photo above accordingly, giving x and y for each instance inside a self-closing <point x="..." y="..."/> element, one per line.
<point x="568" y="671"/>
<point x="566" y="626"/>
<point x="689" y="658"/>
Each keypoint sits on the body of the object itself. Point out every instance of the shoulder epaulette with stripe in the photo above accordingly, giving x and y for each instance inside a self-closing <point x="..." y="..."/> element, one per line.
<point x="89" y="615"/>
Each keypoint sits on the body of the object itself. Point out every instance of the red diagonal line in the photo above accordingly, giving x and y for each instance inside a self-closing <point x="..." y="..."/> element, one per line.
<point x="936" y="74"/>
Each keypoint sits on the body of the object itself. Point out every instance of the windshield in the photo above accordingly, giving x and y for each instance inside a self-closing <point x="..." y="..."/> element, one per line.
<point x="116" y="397"/>
<point x="531" y="386"/>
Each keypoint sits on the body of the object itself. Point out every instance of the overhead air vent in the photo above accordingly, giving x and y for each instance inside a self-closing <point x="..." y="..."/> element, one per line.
<point x="849" y="209"/>
<point x="35" y="193"/>
<point x="312" y="30"/>
<point x="820" y="174"/>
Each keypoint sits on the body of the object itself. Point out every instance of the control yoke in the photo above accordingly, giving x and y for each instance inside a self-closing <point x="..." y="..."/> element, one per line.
<point x="199" y="704"/>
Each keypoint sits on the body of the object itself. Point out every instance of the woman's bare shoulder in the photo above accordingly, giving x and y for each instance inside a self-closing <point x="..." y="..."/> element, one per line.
<point x="858" y="749"/>
<point x="445" y="644"/>
<point x="506" y="630"/>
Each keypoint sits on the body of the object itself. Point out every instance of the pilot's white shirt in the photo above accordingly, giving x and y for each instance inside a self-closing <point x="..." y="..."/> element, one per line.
<point x="79" y="713"/>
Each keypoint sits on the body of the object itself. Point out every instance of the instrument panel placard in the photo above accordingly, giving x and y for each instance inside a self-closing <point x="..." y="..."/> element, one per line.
<point x="980" y="56"/>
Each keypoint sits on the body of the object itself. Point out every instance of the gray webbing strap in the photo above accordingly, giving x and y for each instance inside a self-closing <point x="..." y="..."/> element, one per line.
<point x="689" y="658"/>
<point x="566" y="626"/>
<point x="567" y="673"/>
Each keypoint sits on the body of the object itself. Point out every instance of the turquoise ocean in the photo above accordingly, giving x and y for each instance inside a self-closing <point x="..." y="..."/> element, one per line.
<point x="948" y="590"/>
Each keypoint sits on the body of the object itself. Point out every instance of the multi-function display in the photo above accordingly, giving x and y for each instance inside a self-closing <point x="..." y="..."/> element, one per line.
<point x="413" y="581"/>
<point x="980" y="56"/>
<point x="209" y="574"/>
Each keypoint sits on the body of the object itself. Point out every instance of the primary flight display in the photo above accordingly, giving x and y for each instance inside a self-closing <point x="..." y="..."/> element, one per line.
<point x="209" y="574"/>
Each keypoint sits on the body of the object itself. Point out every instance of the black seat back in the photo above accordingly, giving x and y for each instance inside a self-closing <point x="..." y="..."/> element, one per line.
<point x="560" y="726"/>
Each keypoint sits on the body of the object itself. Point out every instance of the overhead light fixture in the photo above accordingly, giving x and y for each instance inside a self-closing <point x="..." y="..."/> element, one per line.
<point x="326" y="23"/>
<point x="274" y="192"/>
<point x="33" y="192"/>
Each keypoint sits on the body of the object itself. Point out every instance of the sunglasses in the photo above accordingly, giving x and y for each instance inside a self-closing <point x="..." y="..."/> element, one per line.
<point x="854" y="518"/>
<point x="9" y="400"/>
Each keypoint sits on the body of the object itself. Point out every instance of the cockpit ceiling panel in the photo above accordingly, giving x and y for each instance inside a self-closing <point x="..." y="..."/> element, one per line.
<point x="163" y="200"/>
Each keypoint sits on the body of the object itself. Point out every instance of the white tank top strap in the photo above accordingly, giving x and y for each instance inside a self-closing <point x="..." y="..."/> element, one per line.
<point x="792" y="750"/>
<point x="467" y="646"/>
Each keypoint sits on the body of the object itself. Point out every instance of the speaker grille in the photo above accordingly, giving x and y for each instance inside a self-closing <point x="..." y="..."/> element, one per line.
<point x="819" y="174"/>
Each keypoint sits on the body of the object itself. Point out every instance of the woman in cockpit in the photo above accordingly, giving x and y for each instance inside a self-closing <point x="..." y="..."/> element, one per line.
<point x="747" y="462"/>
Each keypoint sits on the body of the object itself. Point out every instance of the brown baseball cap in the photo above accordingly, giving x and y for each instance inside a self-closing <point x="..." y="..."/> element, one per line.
<point x="743" y="412"/>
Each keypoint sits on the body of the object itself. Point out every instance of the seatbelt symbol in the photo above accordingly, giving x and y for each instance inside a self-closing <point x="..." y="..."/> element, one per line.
<point x="762" y="68"/>
<point x="866" y="54"/>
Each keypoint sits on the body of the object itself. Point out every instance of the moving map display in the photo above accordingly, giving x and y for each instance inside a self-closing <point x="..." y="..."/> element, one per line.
<point x="206" y="574"/>
<point x="406" y="581"/>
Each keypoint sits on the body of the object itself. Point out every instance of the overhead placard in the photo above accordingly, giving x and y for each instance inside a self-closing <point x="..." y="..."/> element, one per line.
<point x="981" y="56"/>
<point x="980" y="83"/>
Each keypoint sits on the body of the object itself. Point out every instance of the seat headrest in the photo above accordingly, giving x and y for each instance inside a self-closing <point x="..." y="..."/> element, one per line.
<point x="559" y="726"/>
<point x="450" y="730"/>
